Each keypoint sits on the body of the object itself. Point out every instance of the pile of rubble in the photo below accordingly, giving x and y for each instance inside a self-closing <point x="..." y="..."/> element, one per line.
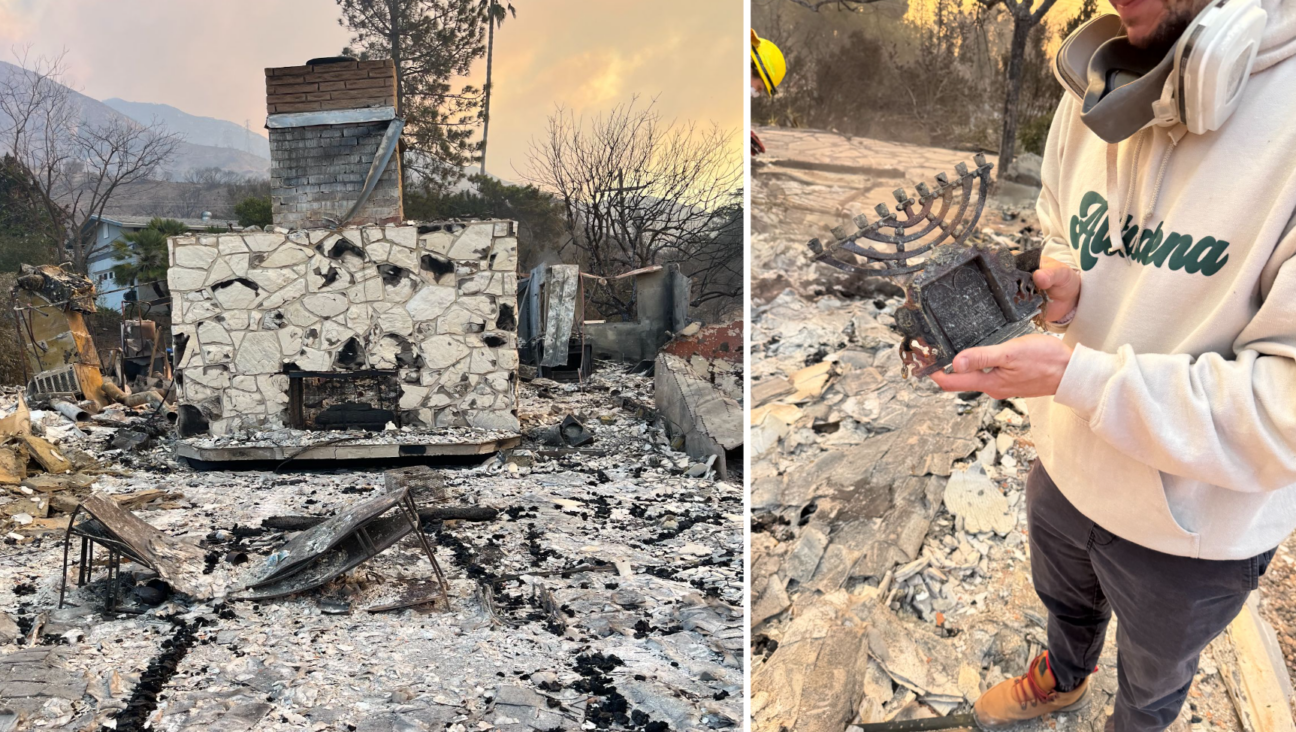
<point x="890" y="569"/>
<point x="589" y="587"/>
<point x="49" y="460"/>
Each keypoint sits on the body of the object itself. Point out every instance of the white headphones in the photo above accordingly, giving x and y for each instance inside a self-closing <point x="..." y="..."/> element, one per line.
<point x="1212" y="62"/>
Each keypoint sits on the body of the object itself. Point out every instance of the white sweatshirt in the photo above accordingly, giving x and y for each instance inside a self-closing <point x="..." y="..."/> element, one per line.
<point x="1175" y="423"/>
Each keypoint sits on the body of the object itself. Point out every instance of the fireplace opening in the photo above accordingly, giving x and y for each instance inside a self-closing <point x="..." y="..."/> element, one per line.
<point x="343" y="400"/>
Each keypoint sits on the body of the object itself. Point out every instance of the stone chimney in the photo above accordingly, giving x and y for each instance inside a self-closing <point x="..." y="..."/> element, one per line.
<point x="329" y="121"/>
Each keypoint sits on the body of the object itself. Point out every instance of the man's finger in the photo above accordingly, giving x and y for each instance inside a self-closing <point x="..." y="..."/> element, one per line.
<point x="1043" y="278"/>
<point x="1055" y="276"/>
<point x="975" y="381"/>
<point x="976" y="359"/>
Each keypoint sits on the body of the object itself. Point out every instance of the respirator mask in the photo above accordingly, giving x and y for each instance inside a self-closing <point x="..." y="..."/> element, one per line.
<point x="1199" y="83"/>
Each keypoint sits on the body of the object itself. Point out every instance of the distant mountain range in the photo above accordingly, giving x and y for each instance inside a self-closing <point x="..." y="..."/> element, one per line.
<point x="208" y="143"/>
<point x="194" y="129"/>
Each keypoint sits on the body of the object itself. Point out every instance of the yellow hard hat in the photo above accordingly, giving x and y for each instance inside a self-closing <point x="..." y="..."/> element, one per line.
<point x="768" y="60"/>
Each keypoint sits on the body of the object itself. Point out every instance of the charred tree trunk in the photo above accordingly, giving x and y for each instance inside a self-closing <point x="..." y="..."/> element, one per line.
<point x="1022" y="24"/>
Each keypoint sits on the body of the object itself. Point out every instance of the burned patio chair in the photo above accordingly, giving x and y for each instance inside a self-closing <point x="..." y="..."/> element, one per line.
<point x="958" y="295"/>
<point x="341" y="543"/>
<point x="123" y="534"/>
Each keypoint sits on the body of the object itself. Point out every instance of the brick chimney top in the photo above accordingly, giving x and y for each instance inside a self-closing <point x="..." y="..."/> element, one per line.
<point x="327" y="121"/>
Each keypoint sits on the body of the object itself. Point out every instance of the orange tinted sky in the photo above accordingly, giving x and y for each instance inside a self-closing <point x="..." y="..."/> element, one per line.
<point x="206" y="57"/>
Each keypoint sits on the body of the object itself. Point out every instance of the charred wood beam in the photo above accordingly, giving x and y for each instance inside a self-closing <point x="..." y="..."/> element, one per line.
<point x="426" y="516"/>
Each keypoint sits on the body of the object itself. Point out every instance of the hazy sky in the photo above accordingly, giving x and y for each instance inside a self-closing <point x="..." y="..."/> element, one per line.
<point x="206" y="57"/>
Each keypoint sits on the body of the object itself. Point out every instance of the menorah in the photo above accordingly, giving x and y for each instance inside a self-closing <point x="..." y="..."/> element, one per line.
<point x="958" y="295"/>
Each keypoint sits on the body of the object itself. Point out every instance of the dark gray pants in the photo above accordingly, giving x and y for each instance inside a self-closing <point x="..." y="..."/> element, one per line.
<point x="1169" y="607"/>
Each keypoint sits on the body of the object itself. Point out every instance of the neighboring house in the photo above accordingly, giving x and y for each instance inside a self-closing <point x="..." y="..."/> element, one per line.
<point x="111" y="228"/>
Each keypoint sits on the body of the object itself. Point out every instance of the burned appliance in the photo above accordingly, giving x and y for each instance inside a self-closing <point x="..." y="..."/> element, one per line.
<point x="50" y="305"/>
<point x="551" y="323"/>
<point x="959" y="295"/>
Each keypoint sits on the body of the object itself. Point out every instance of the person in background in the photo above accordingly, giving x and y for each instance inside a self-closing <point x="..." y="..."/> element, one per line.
<point x="767" y="71"/>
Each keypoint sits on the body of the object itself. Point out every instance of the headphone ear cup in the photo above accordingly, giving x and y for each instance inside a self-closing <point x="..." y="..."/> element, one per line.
<point x="1214" y="60"/>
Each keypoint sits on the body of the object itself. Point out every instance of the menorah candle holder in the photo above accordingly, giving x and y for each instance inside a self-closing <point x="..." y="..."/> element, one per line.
<point x="958" y="295"/>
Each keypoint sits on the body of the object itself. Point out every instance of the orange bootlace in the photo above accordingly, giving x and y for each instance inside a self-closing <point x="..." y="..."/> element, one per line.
<point x="1027" y="691"/>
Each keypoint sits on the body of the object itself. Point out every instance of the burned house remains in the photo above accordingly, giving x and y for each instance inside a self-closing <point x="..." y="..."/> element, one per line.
<point x="580" y="566"/>
<point x="355" y="328"/>
<point x="351" y="320"/>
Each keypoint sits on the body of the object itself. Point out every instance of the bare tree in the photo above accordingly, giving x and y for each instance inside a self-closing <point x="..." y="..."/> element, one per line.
<point x="1026" y="14"/>
<point x="638" y="191"/>
<point x="202" y="190"/>
<point x="716" y="264"/>
<point x="78" y="167"/>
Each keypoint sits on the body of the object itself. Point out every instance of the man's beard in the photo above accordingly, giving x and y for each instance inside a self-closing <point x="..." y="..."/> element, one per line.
<point x="1168" y="32"/>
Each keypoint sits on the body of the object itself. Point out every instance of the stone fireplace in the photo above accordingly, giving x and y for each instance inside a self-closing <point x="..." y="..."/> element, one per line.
<point x="409" y="325"/>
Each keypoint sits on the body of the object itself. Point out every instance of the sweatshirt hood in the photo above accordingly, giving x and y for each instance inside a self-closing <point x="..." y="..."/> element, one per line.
<point x="1278" y="43"/>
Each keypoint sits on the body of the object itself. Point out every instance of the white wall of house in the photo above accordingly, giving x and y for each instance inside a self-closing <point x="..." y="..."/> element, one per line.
<point x="100" y="268"/>
<point x="111" y="293"/>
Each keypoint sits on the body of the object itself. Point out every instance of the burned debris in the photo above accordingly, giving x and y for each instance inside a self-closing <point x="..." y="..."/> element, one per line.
<point x="551" y="325"/>
<point x="549" y="562"/>
<point x="890" y="575"/>
<point x="698" y="369"/>
<point x="340" y="501"/>
<point x="50" y="306"/>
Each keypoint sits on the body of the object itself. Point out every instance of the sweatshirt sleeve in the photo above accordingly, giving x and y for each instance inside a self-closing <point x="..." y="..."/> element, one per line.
<point x="1052" y="220"/>
<point x="1230" y="423"/>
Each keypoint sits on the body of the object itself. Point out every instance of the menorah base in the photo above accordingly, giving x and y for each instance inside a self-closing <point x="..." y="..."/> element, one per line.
<point x="1002" y="335"/>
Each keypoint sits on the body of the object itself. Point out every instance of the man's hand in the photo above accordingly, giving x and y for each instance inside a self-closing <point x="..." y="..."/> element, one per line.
<point x="1061" y="284"/>
<point x="1030" y="366"/>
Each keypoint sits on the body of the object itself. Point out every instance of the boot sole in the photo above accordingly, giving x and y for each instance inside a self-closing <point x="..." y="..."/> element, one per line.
<point x="1074" y="706"/>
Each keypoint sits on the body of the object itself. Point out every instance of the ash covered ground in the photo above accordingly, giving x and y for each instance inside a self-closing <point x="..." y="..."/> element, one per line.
<point x="890" y="565"/>
<point x="606" y="594"/>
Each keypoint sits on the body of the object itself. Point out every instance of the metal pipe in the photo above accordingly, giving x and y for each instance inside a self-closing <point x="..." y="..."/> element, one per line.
<point x="385" y="149"/>
<point x="70" y="410"/>
<point x="115" y="393"/>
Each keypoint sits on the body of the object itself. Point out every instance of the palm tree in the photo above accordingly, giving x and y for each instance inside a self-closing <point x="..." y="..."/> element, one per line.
<point x="142" y="255"/>
<point x="495" y="15"/>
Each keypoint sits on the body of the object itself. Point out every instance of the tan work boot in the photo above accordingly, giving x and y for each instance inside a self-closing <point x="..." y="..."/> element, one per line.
<point x="1028" y="696"/>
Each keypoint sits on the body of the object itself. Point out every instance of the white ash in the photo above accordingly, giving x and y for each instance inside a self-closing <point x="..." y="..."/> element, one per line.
<point x="668" y="605"/>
